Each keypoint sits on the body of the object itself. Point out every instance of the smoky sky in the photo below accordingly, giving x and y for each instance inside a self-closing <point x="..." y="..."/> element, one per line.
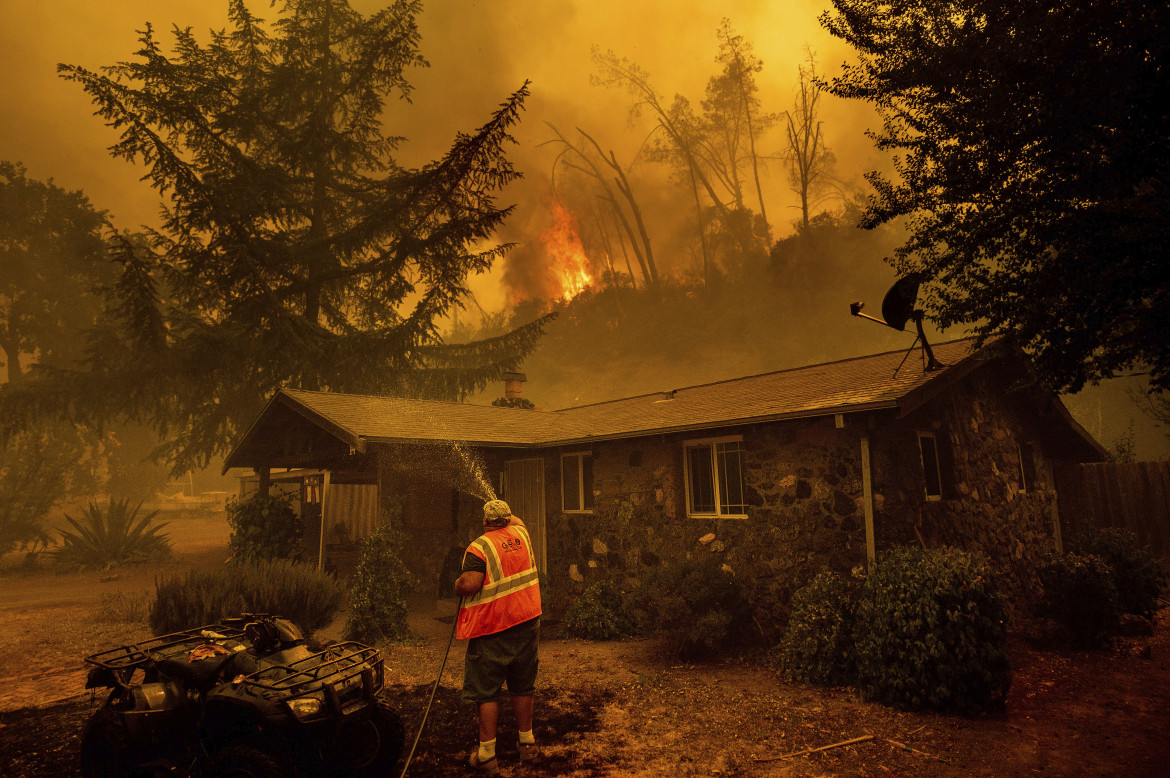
<point x="479" y="52"/>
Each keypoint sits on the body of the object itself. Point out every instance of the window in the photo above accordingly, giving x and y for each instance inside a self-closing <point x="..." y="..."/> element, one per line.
<point x="930" y="467"/>
<point x="714" y="474"/>
<point x="1027" y="467"/>
<point x="577" y="482"/>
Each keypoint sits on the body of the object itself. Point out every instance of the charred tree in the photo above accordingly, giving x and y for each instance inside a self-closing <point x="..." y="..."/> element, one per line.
<point x="640" y="242"/>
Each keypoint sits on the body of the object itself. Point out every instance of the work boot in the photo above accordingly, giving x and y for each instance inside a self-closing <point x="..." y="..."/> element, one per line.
<point x="527" y="751"/>
<point x="488" y="767"/>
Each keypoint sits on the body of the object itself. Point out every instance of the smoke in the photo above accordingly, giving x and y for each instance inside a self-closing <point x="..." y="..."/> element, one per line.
<point x="480" y="51"/>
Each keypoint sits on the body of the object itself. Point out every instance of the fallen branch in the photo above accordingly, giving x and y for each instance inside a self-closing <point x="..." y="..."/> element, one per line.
<point x="905" y="747"/>
<point x="861" y="739"/>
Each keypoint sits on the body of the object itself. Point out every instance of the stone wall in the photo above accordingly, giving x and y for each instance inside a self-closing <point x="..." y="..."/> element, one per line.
<point x="804" y="488"/>
<point x="980" y="431"/>
<point x="803" y="483"/>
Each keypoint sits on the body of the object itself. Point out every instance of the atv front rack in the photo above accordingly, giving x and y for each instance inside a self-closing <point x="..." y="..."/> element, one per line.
<point x="346" y="672"/>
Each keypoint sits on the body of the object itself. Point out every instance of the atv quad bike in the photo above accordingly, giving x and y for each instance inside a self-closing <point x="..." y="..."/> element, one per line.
<point x="246" y="697"/>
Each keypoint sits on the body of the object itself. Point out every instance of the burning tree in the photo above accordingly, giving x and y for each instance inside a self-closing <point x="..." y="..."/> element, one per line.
<point x="599" y="167"/>
<point x="294" y="249"/>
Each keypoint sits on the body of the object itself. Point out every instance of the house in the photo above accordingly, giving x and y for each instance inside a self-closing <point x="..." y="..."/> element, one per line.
<point x="779" y="475"/>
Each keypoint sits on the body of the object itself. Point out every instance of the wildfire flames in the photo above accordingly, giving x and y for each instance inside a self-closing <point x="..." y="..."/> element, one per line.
<point x="567" y="260"/>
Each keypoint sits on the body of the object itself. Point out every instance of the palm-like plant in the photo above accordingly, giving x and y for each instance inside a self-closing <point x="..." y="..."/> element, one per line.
<point x="117" y="536"/>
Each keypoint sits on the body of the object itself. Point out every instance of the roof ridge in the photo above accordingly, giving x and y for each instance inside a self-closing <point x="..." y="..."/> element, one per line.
<point x="291" y="390"/>
<point x="759" y="375"/>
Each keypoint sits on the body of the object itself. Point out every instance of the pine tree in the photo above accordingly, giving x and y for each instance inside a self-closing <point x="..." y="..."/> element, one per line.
<point x="293" y="249"/>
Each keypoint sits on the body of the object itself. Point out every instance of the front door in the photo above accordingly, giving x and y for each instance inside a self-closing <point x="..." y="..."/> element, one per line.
<point x="524" y="493"/>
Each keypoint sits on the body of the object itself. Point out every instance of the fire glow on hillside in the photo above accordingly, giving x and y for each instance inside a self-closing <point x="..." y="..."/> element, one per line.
<point x="567" y="260"/>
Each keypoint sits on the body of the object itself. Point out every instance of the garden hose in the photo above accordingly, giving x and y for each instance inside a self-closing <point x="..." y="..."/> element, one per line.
<point x="435" y="688"/>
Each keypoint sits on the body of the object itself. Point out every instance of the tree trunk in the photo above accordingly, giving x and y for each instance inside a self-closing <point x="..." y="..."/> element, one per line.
<point x="747" y="112"/>
<point x="12" y="357"/>
<point x="702" y="232"/>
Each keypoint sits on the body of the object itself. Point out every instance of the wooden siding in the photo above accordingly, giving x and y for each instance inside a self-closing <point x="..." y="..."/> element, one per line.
<point x="1132" y="495"/>
<point x="353" y="505"/>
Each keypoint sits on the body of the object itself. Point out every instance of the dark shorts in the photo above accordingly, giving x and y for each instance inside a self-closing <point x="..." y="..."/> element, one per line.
<point x="504" y="657"/>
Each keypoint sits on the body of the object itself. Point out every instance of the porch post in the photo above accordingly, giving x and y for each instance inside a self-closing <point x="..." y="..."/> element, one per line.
<point x="867" y="504"/>
<point x="265" y="474"/>
<point x="321" y="537"/>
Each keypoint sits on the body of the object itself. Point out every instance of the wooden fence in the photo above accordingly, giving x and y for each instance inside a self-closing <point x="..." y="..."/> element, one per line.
<point x="1133" y="495"/>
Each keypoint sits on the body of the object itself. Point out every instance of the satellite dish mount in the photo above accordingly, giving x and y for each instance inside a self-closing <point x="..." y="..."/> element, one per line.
<point x="897" y="309"/>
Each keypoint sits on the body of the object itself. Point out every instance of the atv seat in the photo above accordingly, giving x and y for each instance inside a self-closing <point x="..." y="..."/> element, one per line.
<point x="202" y="674"/>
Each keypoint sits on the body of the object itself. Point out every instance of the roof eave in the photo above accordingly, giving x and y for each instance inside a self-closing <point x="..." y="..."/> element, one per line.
<point x="342" y="433"/>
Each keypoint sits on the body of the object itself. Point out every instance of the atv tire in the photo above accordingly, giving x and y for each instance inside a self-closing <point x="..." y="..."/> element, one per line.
<point x="241" y="760"/>
<point x="103" y="746"/>
<point x="391" y="736"/>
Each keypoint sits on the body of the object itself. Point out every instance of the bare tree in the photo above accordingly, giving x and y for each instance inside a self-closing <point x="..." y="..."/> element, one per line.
<point x="809" y="161"/>
<point x="677" y="121"/>
<point x="739" y="68"/>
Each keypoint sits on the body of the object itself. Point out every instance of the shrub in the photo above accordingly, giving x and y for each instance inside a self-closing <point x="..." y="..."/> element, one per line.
<point x="1137" y="574"/>
<point x="1080" y="596"/>
<point x="817" y="646"/>
<point x="300" y="593"/>
<point x="107" y="539"/>
<point x="930" y="633"/>
<point x="600" y="613"/>
<point x="697" y="603"/>
<point x="119" y="606"/>
<point x="264" y="527"/>
<point x="378" y="589"/>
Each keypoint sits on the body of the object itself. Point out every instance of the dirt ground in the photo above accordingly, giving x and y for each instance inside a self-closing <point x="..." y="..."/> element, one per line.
<point x="624" y="708"/>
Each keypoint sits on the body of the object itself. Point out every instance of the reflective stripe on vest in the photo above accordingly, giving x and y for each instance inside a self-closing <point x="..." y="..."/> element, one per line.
<point x="507" y="598"/>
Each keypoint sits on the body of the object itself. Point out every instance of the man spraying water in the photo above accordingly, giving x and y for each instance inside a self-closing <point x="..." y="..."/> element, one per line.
<point x="500" y="616"/>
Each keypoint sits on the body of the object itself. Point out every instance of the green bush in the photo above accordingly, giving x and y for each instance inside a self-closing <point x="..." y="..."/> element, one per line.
<point x="817" y="646"/>
<point x="600" y="613"/>
<point x="1137" y="575"/>
<point x="378" y="589"/>
<point x="264" y="527"/>
<point x="300" y="593"/>
<point x="697" y="603"/>
<point x="107" y="539"/>
<point x="1081" y="597"/>
<point x="930" y="633"/>
<point x="119" y="606"/>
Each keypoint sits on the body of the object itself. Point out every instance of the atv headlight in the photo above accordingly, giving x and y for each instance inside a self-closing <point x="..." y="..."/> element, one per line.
<point x="305" y="707"/>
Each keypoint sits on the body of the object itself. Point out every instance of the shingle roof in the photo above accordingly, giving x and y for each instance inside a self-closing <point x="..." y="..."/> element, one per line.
<point x="395" y="418"/>
<point x="862" y="383"/>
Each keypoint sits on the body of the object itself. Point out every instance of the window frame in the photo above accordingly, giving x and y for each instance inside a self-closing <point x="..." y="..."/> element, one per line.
<point x="582" y="491"/>
<point x="1026" y="464"/>
<point x="933" y="438"/>
<point x="711" y="444"/>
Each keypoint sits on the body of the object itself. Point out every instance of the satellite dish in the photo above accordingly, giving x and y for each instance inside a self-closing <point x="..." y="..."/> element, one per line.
<point x="898" y="304"/>
<point x="897" y="309"/>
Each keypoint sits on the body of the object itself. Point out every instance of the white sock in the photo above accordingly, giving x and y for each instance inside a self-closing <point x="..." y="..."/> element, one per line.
<point x="487" y="751"/>
<point x="527" y="738"/>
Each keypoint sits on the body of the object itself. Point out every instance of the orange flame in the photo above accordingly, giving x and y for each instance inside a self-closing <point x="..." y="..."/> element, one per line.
<point x="568" y="261"/>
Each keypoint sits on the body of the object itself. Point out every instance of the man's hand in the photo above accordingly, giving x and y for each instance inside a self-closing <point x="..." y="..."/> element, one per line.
<point x="469" y="583"/>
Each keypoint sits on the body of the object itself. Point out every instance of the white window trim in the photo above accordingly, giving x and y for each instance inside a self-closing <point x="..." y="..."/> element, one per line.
<point x="1022" y="471"/>
<point x="578" y="455"/>
<point x="937" y="466"/>
<point x="708" y="442"/>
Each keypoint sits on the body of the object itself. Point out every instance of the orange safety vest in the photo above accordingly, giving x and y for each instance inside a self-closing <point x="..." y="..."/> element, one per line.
<point x="511" y="590"/>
